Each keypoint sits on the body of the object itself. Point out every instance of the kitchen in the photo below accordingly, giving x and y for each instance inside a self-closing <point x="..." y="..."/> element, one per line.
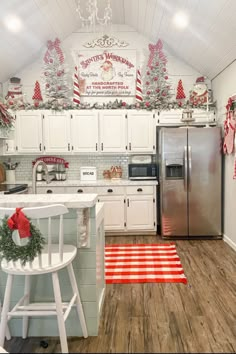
<point x="111" y="129"/>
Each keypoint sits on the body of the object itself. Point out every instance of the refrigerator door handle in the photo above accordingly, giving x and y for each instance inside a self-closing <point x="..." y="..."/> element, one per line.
<point x="189" y="165"/>
<point x="185" y="169"/>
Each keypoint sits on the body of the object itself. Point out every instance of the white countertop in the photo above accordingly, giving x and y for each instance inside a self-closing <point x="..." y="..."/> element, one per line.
<point x="97" y="183"/>
<point x="75" y="201"/>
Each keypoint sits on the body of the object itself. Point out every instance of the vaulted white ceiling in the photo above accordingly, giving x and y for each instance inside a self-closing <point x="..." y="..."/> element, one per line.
<point x="208" y="44"/>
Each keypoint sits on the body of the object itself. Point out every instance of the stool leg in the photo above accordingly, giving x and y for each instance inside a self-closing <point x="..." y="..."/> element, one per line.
<point x="59" y="309"/>
<point x="8" y="334"/>
<point x="26" y="302"/>
<point x="5" y="309"/>
<point x="78" y="301"/>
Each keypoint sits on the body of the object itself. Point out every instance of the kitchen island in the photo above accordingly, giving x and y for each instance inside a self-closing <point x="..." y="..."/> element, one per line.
<point x="85" y="217"/>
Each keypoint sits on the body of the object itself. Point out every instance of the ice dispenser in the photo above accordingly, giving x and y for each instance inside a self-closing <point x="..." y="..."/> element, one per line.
<point x="174" y="168"/>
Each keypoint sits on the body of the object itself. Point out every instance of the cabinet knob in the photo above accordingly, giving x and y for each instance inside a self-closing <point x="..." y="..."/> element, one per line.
<point x="80" y="191"/>
<point x="49" y="191"/>
<point x="139" y="190"/>
<point x="110" y="190"/>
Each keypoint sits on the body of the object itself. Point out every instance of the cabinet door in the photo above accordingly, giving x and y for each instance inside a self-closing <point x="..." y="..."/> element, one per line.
<point x="29" y="132"/>
<point x="113" y="137"/>
<point x="172" y="116"/>
<point x="57" y="132"/>
<point x="84" y="131"/>
<point x="9" y="147"/>
<point x="141" y="132"/>
<point x="114" y="216"/>
<point x="140" y="212"/>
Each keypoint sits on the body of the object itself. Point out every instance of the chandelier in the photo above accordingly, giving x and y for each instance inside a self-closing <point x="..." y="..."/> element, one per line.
<point x="91" y="19"/>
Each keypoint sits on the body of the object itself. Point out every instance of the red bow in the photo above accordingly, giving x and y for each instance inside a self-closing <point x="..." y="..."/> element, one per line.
<point x="19" y="221"/>
<point x="54" y="45"/>
<point x="153" y="48"/>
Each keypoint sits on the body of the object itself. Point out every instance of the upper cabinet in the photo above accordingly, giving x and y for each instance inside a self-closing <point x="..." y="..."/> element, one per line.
<point x="141" y="132"/>
<point x="56" y="127"/>
<point x="29" y="132"/>
<point x="84" y="131"/>
<point x="113" y="135"/>
<point x="93" y="131"/>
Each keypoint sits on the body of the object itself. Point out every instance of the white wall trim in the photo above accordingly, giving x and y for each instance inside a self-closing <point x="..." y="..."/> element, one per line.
<point x="229" y="242"/>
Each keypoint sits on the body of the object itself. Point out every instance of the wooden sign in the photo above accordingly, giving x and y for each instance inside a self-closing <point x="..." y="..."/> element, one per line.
<point x="107" y="73"/>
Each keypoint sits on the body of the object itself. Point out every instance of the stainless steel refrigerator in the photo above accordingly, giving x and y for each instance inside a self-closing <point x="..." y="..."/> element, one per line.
<point x="190" y="177"/>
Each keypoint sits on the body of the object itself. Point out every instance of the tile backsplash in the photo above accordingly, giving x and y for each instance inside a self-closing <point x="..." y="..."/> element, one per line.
<point x="101" y="162"/>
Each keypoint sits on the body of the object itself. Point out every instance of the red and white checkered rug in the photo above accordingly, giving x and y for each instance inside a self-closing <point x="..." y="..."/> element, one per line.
<point x="143" y="263"/>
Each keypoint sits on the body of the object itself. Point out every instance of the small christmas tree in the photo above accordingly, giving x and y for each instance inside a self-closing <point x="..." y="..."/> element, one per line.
<point x="156" y="86"/>
<point x="54" y="72"/>
<point x="180" y="96"/>
<point x="37" y="97"/>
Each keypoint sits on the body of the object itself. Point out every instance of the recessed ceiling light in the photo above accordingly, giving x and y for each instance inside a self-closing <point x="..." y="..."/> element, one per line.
<point x="180" y="19"/>
<point x="13" y="23"/>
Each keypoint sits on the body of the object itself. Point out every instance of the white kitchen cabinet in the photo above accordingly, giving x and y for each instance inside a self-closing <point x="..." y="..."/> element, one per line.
<point x="112" y="131"/>
<point x="8" y="147"/>
<point x="29" y="133"/>
<point x="141" y="208"/>
<point x="56" y="127"/>
<point x="141" y="132"/>
<point x="113" y="198"/>
<point x="84" y="131"/>
<point x="114" y="219"/>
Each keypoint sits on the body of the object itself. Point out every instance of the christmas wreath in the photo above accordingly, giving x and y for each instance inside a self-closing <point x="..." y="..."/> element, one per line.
<point x="20" y="239"/>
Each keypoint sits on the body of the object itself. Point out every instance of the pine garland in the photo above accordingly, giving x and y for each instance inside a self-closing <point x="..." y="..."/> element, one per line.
<point x="11" y="252"/>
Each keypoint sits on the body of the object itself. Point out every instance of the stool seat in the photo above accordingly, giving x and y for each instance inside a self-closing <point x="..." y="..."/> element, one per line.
<point x="34" y="268"/>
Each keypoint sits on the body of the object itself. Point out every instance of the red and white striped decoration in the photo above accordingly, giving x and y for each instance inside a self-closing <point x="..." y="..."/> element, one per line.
<point x="144" y="263"/>
<point x="139" y="92"/>
<point x="76" y="92"/>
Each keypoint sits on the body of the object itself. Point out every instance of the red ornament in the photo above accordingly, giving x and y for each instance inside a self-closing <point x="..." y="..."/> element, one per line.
<point x="123" y="103"/>
<point x="51" y="60"/>
<point x="148" y="73"/>
<point x="147" y="104"/>
<point x="157" y="63"/>
<point x="148" y="92"/>
<point x="155" y="78"/>
<point x="164" y="69"/>
<point x="166" y="77"/>
<point x="147" y="83"/>
<point x="36" y="104"/>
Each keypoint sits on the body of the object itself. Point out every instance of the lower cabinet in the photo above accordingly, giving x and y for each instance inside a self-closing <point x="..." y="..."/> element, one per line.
<point x="127" y="209"/>
<point x="114" y="212"/>
<point x="140" y="213"/>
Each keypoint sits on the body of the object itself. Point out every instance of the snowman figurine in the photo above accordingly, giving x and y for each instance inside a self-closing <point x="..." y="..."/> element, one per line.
<point x="199" y="94"/>
<point x="14" y="95"/>
<point x="107" y="71"/>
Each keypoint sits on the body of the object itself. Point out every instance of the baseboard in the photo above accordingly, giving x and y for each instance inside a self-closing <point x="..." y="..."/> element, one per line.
<point x="229" y="242"/>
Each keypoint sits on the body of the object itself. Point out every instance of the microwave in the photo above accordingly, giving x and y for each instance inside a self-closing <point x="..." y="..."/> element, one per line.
<point x="142" y="171"/>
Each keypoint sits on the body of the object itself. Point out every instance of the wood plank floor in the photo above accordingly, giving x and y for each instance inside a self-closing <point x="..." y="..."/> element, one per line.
<point x="199" y="317"/>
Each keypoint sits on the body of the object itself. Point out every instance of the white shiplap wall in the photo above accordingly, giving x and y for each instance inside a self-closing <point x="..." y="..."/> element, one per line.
<point x="177" y="69"/>
<point x="223" y="87"/>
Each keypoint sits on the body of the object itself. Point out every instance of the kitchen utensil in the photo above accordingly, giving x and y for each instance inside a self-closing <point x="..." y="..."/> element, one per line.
<point x="2" y="173"/>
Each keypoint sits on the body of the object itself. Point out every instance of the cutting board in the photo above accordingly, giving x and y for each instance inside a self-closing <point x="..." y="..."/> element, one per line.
<point x="2" y="173"/>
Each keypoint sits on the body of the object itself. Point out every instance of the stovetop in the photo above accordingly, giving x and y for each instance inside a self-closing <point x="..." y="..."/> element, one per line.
<point x="12" y="188"/>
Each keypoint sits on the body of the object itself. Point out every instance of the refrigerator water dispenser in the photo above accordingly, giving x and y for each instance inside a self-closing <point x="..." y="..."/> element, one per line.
<point x="174" y="169"/>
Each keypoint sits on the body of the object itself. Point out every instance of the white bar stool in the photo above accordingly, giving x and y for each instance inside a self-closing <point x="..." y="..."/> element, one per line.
<point x="53" y="258"/>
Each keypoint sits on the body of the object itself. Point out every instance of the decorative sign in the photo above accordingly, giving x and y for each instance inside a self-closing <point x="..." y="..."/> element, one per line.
<point x="52" y="160"/>
<point x="107" y="73"/>
<point x="106" y="42"/>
